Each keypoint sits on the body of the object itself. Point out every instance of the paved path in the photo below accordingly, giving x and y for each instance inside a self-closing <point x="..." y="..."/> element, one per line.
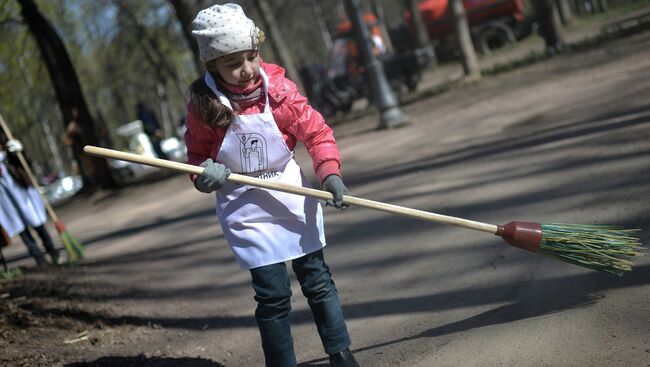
<point x="567" y="140"/>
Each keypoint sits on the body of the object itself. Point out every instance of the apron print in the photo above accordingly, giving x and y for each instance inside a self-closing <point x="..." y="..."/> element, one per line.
<point x="253" y="153"/>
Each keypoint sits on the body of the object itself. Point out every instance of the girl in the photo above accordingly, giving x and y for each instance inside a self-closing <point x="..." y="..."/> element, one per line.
<point x="244" y="115"/>
<point x="21" y="206"/>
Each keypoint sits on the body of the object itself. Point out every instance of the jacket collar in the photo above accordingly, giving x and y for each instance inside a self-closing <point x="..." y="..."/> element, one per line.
<point x="278" y="88"/>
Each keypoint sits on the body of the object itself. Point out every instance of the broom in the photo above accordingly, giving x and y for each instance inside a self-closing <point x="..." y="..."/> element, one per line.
<point x="606" y="248"/>
<point x="73" y="247"/>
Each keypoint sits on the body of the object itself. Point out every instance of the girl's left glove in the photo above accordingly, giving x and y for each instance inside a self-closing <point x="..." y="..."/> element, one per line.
<point x="334" y="184"/>
<point x="213" y="177"/>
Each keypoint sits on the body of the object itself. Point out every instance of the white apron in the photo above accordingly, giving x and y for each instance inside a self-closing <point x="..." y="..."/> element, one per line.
<point x="18" y="206"/>
<point x="264" y="226"/>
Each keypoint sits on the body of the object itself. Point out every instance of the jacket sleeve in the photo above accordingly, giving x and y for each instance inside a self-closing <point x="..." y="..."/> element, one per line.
<point x="200" y="139"/>
<point x="309" y="127"/>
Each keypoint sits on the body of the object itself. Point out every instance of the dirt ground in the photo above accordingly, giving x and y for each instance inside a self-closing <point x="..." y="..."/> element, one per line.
<point x="562" y="140"/>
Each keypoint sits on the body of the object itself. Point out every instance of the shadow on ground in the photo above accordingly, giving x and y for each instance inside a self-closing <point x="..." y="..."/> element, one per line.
<point x="143" y="361"/>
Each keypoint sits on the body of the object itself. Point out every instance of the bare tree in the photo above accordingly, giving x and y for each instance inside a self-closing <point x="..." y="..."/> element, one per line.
<point x="468" y="54"/>
<point x="549" y="24"/>
<point x="186" y="10"/>
<point x="150" y="45"/>
<point x="601" y="6"/>
<point x="52" y="146"/>
<point x="280" y="49"/>
<point x="322" y="24"/>
<point x="421" y="33"/>
<point x="72" y="103"/>
<point x="564" y="10"/>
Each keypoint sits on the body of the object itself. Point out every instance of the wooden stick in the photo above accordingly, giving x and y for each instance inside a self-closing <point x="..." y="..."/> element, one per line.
<point x="30" y="174"/>
<point x="319" y="194"/>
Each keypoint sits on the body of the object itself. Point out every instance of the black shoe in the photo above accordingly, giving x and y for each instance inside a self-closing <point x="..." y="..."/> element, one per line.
<point x="343" y="359"/>
<point x="41" y="262"/>
<point x="56" y="259"/>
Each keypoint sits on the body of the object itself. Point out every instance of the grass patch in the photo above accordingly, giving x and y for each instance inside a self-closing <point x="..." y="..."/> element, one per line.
<point x="12" y="274"/>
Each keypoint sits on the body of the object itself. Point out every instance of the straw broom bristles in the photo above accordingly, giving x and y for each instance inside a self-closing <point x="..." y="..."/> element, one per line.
<point x="606" y="248"/>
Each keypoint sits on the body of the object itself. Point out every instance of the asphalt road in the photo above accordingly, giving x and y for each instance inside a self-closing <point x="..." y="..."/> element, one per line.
<point x="565" y="140"/>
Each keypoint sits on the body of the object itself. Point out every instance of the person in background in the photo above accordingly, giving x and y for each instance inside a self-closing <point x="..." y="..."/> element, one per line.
<point x="241" y="105"/>
<point x="151" y="128"/>
<point x="74" y="138"/>
<point x="21" y="206"/>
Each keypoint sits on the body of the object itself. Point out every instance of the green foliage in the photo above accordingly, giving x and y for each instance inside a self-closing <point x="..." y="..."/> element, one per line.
<point x="123" y="51"/>
<point x="26" y="96"/>
<point x="12" y="274"/>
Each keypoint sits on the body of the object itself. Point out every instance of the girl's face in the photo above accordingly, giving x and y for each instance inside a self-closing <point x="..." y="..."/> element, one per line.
<point x="239" y="68"/>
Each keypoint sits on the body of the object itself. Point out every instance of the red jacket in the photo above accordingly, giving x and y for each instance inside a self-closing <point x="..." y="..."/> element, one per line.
<point x="296" y="120"/>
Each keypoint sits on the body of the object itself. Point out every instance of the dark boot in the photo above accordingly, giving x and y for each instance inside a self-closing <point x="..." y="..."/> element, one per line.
<point x="33" y="249"/>
<point x="343" y="359"/>
<point x="54" y="255"/>
<point x="41" y="262"/>
<point x="48" y="244"/>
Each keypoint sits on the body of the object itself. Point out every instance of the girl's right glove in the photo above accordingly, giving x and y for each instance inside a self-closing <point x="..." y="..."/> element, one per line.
<point x="213" y="177"/>
<point x="334" y="184"/>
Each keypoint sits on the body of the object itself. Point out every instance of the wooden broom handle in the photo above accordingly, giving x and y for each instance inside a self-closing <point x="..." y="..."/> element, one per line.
<point x="30" y="174"/>
<point x="319" y="194"/>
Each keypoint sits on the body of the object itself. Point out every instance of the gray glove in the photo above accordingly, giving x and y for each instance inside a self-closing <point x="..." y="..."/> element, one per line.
<point x="213" y="177"/>
<point x="334" y="184"/>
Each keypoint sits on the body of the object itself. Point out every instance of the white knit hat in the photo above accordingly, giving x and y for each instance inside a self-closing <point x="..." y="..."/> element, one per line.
<point x="223" y="29"/>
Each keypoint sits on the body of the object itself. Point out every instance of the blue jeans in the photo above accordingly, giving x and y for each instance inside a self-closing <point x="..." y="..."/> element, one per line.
<point x="273" y="296"/>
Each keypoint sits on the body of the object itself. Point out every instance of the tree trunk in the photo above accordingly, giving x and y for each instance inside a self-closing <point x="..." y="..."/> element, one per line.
<point x="602" y="6"/>
<point x="94" y="170"/>
<point x="421" y="33"/>
<point x="470" y="61"/>
<point x="549" y="24"/>
<point x="150" y="46"/>
<point x="185" y="12"/>
<point x="50" y="136"/>
<point x="580" y="6"/>
<point x="564" y="11"/>
<point x="274" y="35"/>
<point x="322" y="24"/>
<point x="168" y="125"/>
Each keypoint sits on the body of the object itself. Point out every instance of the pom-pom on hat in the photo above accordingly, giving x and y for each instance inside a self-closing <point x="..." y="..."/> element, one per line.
<point x="224" y="29"/>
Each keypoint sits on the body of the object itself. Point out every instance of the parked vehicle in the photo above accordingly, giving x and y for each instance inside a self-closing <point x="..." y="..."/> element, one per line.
<point x="493" y="24"/>
<point x="139" y="143"/>
<point x="62" y="189"/>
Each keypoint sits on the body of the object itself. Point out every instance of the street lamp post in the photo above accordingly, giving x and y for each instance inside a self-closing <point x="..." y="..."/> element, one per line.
<point x="383" y="97"/>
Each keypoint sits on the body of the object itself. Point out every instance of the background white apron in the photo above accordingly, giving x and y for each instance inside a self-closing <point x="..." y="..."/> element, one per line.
<point x="18" y="206"/>
<point x="264" y="226"/>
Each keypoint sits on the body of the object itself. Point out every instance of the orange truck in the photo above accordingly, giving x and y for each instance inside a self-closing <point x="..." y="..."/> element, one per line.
<point x="493" y="23"/>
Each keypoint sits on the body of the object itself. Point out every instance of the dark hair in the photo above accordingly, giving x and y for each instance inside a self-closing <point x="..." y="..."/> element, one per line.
<point x="14" y="165"/>
<point x="207" y="105"/>
<point x="3" y="138"/>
